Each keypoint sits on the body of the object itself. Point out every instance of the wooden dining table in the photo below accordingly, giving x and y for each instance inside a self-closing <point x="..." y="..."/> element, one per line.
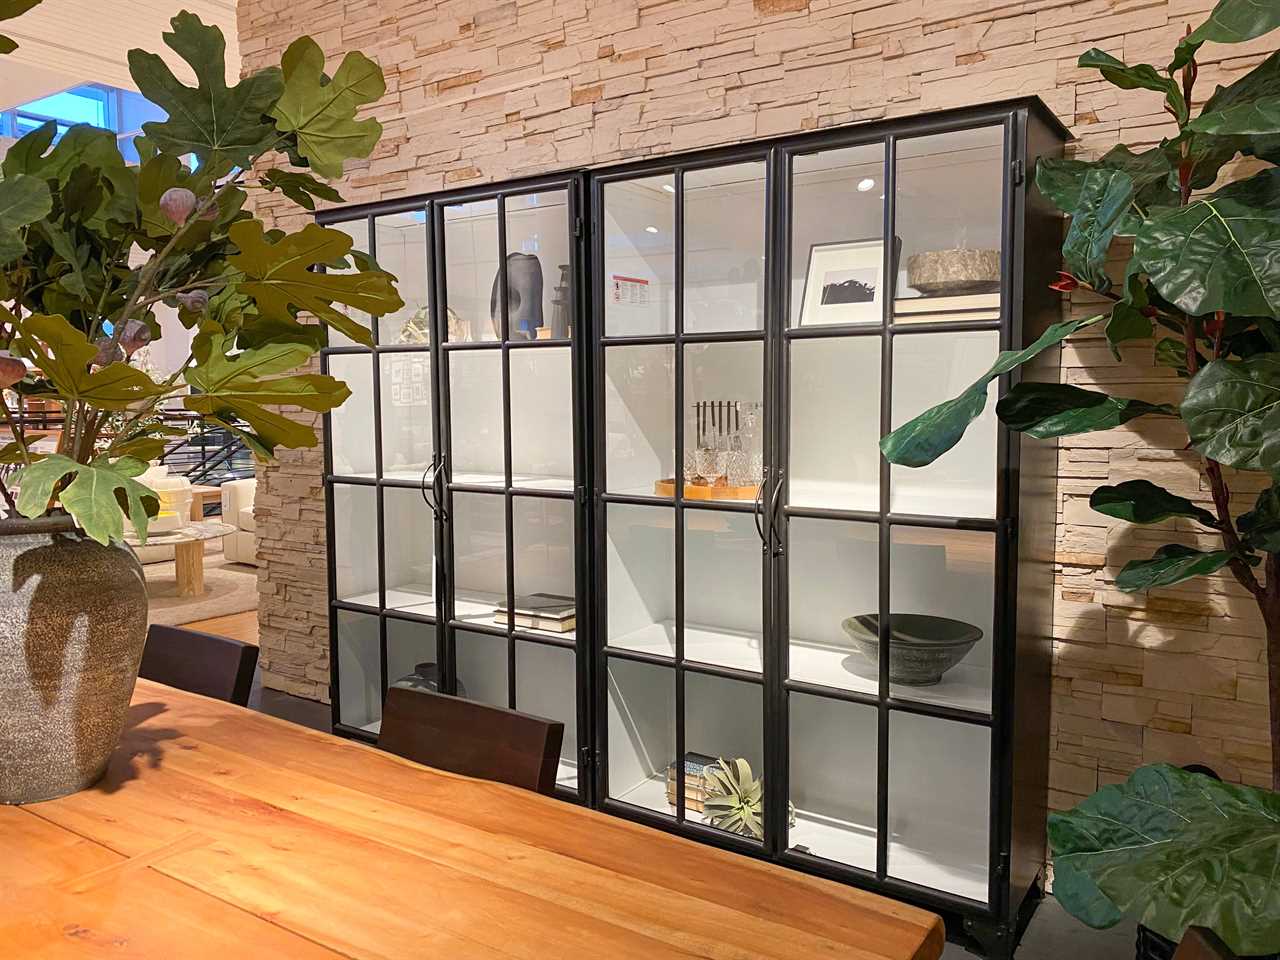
<point x="218" y="833"/>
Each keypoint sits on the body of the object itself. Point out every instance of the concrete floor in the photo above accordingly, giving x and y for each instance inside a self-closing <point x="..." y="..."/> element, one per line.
<point x="1056" y="935"/>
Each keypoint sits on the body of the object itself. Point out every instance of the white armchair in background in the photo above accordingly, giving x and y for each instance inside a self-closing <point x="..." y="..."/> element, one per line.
<point x="237" y="510"/>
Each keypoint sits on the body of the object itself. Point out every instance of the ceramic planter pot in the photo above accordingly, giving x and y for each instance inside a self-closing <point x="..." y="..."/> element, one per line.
<point x="73" y="621"/>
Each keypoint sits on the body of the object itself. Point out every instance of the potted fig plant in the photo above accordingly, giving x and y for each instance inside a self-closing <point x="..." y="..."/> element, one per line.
<point x="89" y="246"/>
<point x="1203" y="281"/>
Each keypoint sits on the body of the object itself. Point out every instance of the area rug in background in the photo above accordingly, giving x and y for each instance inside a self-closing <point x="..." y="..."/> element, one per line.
<point x="229" y="588"/>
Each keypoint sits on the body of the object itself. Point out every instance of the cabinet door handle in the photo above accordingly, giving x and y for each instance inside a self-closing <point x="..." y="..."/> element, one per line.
<point x="428" y="497"/>
<point x="757" y="511"/>
<point x="774" y="501"/>
<point x="435" y="481"/>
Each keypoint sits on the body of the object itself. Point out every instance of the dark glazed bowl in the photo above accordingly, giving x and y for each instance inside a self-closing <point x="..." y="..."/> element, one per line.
<point x="921" y="649"/>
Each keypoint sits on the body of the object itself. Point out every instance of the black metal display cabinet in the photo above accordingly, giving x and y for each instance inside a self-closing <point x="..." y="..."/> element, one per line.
<point x="631" y="481"/>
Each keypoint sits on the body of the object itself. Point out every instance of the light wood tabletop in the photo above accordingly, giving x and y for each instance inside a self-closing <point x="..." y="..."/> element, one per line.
<point x="220" y="832"/>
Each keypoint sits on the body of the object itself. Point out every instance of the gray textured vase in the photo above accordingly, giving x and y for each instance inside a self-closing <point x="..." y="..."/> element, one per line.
<point x="73" y="620"/>
<point x="921" y="648"/>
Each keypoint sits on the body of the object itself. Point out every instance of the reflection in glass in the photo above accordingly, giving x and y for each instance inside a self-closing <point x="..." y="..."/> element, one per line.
<point x="833" y="574"/>
<point x="478" y="524"/>
<point x="724" y="420"/>
<point x="359" y="671"/>
<point x="538" y="268"/>
<point x="475" y="417"/>
<point x="640" y="568"/>
<point x="542" y="418"/>
<point x="833" y="765"/>
<point x="471" y="270"/>
<point x="837" y="231"/>
<point x="835" y="423"/>
<point x="639" y="418"/>
<point x="411" y="655"/>
<point x="724" y="265"/>
<point x="358" y="231"/>
<point x="642" y="733"/>
<point x="928" y="369"/>
<point x="723" y="719"/>
<point x="482" y="667"/>
<point x="408" y="551"/>
<point x="402" y="251"/>
<point x="404" y="383"/>
<point x="639" y="256"/>
<point x="939" y="803"/>
<point x="723" y="600"/>
<point x="351" y="447"/>
<point x="544" y="560"/>
<point x="355" y="543"/>
<point x="946" y="580"/>
<point x="546" y="686"/>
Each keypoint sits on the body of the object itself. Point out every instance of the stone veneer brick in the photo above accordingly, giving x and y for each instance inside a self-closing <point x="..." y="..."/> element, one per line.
<point x="486" y="91"/>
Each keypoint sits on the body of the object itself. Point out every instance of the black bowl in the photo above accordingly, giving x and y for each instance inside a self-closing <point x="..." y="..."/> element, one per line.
<point x="921" y="648"/>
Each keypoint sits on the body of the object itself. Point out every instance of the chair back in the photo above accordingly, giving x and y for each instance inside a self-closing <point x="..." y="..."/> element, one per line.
<point x="470" y="738"/>
<point x="203" y="663"/>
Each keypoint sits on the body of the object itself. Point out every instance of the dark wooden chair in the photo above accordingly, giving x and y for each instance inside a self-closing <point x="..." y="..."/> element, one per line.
<point x="1201" y="943"/>
<point x="203" y="663"/>
<point x="470" y="738"/>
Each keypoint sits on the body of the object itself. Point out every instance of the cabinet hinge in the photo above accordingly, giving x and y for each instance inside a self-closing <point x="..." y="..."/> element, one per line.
<point x="1002" y="868"/>
<point x="580" y="492"/>
<point x="586" y="759"/>
<point x="577" y="226"/>
<point x="1019" y="172"/>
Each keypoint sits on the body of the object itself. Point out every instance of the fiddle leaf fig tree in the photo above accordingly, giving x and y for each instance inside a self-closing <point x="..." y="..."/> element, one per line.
<point x="90" y="246"/>
<point x="1203" y="280"/>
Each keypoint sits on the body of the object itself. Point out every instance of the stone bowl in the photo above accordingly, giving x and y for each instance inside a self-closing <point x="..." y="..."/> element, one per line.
<point x="954" y="273"/>
<point x="921" y="648"/>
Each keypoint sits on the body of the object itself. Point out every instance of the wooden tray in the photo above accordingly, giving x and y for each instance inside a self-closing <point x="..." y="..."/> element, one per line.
<point x="699" y="491"/>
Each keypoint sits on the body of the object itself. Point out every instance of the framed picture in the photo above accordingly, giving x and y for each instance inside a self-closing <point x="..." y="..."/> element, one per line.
<point x="844" y="284"/>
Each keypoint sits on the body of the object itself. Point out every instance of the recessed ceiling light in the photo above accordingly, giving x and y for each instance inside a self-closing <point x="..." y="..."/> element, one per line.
<point x="650" y="229"/>
<point x="669" y="188"/>
<point x="865" y="184"/>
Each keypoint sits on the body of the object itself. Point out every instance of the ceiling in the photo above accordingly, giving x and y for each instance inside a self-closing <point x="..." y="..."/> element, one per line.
<point x="64" y="43"/>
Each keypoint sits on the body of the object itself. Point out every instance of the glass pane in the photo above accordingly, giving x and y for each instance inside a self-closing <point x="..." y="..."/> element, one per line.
<point x="723" y="420"/>
<point x="949" y="210"/>
<point x="411" y="655"/>
<point x="471" y="271"/>
<point x="359" y="671"/>
<point x="475" y="417"/>
<point x="928" y="369"/>
<point x="724" y="265"/>
<point x="409" y="551"/>
<point x="837" y="231"/>
<point x="641" y="566"/>
<point x="538" y="269"/>
<point x="939" y="803"/>
<point x="355" y="543"/>
<point x="642" y="732"/>
<point x="942" y="592"/>
<point x="833" y="779"/>
<point x="835" y="423"/>
<point x="404" y="382"/>
<point x="482" y="667"/>
<point x="478" y="522"/>
<point x="546" y="686"/>
<point x="402" y="250"/>
<point x="639" y="413"/>
<point x="723" y="592"/>
<point x="639" y="257"/>
<point x="542" y="418"/>
<point x="351" y="424"/>
<point x="833" y="576"/>
<point x="358" y="231"/>
<point x="544" y="553"/>
<point x="723" y="719"/>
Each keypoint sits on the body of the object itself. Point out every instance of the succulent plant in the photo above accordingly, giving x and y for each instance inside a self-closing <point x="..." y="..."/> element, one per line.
<point x="735" y="798"/>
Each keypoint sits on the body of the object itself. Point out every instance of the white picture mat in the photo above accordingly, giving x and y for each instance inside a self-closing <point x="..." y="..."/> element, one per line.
<point x="844" y="261"/>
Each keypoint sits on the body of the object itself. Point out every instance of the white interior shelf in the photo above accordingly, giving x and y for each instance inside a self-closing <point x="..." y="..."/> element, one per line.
<point x="843" y="841"/>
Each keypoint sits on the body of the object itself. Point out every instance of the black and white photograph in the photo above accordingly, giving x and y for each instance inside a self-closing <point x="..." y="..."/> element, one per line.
<point x="843" y="283"/>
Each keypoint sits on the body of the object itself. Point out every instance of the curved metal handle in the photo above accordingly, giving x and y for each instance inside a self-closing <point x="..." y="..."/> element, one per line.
<point x="428" y="498"/>
<point x="435" y="480"/>
<point x="757" y="511"/>
<point x="773" y="516"/>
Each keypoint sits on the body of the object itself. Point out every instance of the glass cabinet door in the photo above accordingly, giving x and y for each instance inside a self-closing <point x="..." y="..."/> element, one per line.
<point x="514" y="530"/>
<point x="682" y="404"/>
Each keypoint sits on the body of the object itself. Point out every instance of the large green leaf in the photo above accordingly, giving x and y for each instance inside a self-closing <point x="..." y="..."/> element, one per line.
<point x="1044" y="410"/>
<point x="221" y="125"/>
<point x="1062" y="181"/>
<point x="1257" y="117"/>
<point x="23" y="200"/>
<point x="1105" y="196"/>
<point x="1129" y="319"/>
<point x="920" y="441"/>
<point x="8" y="10"/>
<point x="1260" y="527"/>
<point x="1171" y="564"/>
<point x="1221" y="252"/>
<point x="98" y="496"/>
<point x="1143" y="76"/>
<point x="238" y="386"/>
<point x="79" y="147"/>
<point x="281" y="278"/>
<point x="1173" y="849"/>
<point x="300" y="187"/>
<point x="1232" y="21"/>
<point x="63" y="354"/>
<point x="1232" y="412"/>
<point x="1247" y="109"/>
<point x="1141" y="501"/>
<point x="320" y="112"/>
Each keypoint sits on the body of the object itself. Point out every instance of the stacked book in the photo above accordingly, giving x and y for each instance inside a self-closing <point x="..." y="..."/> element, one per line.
<point x="550" y="612"/>
<point x="976" y="306"/>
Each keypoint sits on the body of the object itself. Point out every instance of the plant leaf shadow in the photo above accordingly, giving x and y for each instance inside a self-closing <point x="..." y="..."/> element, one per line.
<point x="142" y="747"/>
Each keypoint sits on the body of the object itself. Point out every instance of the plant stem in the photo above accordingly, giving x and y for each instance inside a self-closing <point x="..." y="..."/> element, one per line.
<point x="8" y="498"/>
<point x="1270" y="604"/>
